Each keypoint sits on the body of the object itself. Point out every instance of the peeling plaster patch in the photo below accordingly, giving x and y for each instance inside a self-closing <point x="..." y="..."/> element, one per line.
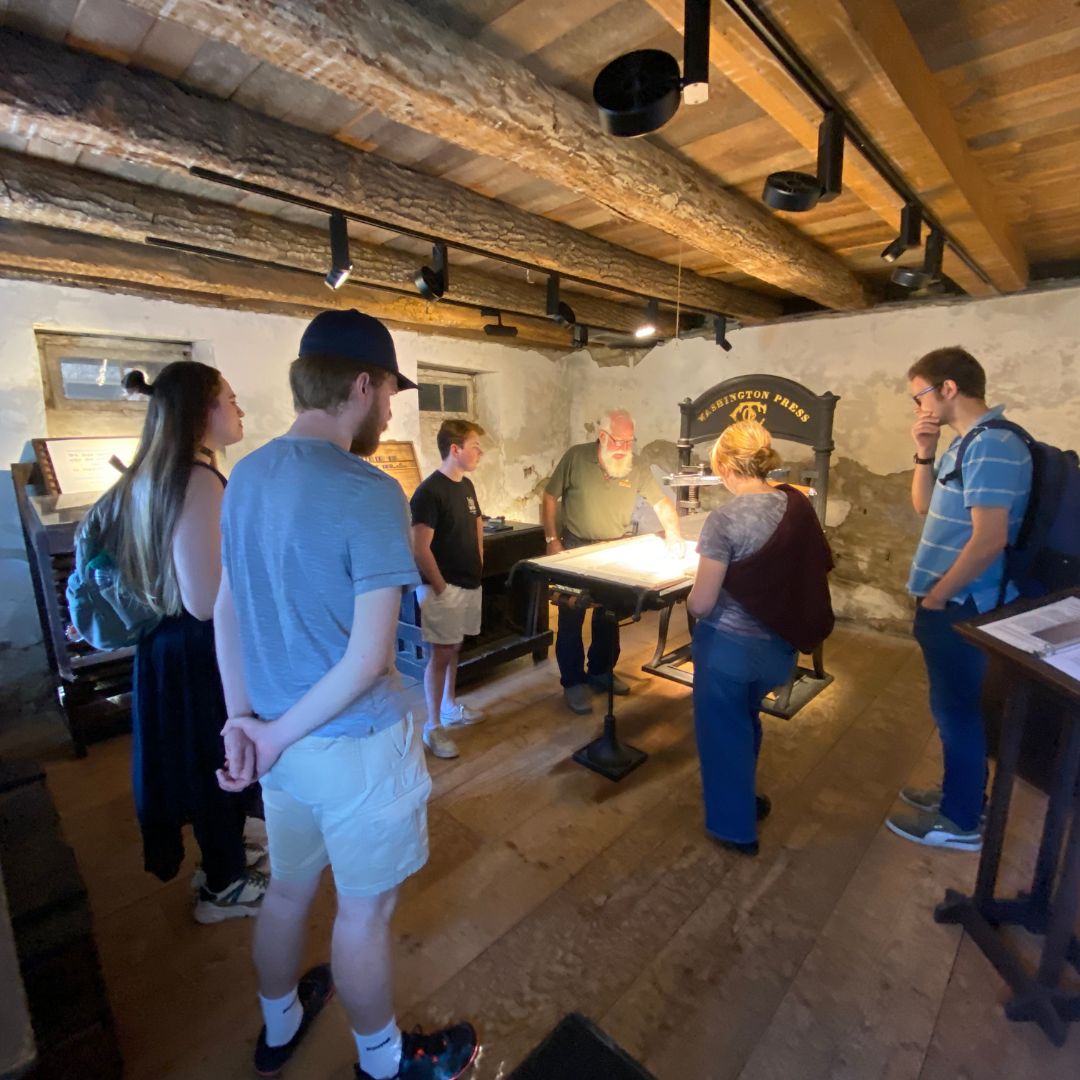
<point x="868" y="602"/>
<point x="836" y="512"/>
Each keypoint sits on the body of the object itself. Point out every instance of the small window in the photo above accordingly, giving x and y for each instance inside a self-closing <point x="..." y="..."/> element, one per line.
<point x="445" y="392"/>
<point x="82" y="376"/>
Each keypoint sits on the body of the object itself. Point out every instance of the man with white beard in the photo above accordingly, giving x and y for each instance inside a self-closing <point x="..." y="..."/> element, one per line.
<point x="598" y="483"/>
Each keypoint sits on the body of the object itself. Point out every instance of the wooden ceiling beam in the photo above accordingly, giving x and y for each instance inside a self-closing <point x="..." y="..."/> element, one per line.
<point x="41" y="253"/>
<point x="865" y="52"/>
<point x="47" y="193"/>
<point x="83" y="101"/>
<point x="425" y="76"/>
<point x="741" y="58"/>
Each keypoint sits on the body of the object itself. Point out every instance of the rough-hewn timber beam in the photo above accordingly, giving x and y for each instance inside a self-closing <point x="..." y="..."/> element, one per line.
<point x="81" y="100"/>
<point x="419" y="73"/>
<point x="68" y="256"/>
<point x="867" y="54"/>
<point x="741" y="58"/>
<point x="47" y="193"/>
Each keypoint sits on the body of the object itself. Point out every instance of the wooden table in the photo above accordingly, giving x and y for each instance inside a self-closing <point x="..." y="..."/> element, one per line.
<point x="1051" y="905"/>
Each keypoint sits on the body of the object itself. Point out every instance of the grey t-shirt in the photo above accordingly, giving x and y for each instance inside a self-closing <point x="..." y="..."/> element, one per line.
<point x="597" y="506"/>
<point x="735" y="531"/>
<point x="307" y="527"/>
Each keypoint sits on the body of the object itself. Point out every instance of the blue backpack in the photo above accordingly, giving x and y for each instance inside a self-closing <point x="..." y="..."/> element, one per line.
<point x="101" y="607"/>
<point x="1046" y="554"/>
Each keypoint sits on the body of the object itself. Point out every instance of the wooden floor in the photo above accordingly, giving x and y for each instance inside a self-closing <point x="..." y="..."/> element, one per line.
<point x="551" y="889"/>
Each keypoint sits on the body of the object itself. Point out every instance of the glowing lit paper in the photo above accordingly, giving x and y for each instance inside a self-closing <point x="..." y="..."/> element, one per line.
<point x="84" y="465"/>
<point x="638" y="562"/>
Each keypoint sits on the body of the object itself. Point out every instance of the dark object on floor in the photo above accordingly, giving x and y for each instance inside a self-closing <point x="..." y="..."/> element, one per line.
<point x="578" y="1050"/>
<point x="764" y="806"/>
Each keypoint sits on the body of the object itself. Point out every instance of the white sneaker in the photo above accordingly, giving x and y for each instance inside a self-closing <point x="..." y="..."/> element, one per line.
<point x="439" y="742"/>
<point x="255" y="853"/>
<point x="459" y="715"/>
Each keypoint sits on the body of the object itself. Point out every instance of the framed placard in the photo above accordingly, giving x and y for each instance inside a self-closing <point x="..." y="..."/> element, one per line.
<point x="90" y="464"/>
<point x="398" y="459"/>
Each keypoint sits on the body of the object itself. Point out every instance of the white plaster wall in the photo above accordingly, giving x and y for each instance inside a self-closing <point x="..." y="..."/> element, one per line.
<point x="519" y="391"/>
<point x="1028" y="345"/>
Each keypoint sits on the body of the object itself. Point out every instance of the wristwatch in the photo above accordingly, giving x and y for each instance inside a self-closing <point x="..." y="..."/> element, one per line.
<point x="550" y="539"/>
<point x="923" y="460"/>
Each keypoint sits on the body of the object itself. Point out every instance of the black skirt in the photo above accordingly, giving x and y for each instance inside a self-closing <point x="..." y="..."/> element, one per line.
<point x="178" y="711"/>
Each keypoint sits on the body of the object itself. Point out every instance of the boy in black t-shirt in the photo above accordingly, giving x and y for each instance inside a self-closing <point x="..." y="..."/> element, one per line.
<point x="448" y="542"/>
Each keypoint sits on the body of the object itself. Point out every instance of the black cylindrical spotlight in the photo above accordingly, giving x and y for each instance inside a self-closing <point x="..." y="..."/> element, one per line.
<point x="497" y="329"/>
<point x="637" y="92"/>
<point x="581" y="336"/>
<point x="798" y="191"/>
<point x="910" y="235"/>
<point x="431" y="281"/>
<point x="930" y="271"/>
<point x="558" y="311"/>
<point x="340" y="262"/>
<point x="720" y="332"/>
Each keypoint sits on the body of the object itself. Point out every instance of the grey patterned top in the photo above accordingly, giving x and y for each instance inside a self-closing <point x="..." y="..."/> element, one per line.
<point x="735" y="531"/>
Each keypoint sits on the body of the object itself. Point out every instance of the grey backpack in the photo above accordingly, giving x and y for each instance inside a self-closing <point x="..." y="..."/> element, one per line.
<point x="101" y="607"/>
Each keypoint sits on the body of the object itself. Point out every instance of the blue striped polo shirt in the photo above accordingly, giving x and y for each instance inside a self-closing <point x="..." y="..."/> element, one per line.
<point x="997" y="472"/>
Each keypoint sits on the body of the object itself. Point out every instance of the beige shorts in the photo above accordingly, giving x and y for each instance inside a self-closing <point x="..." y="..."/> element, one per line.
<point x="446" y="619"/>
<point x="358" y="805"/>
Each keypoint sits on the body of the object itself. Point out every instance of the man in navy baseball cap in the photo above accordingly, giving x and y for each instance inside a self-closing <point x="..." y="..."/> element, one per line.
<point x="352" y="335"/>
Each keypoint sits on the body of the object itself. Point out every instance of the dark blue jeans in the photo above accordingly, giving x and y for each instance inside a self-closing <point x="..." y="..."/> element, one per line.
<point x="732" y="673"/>
<point x="955" y="670"/>
<point x="569" y="644"/>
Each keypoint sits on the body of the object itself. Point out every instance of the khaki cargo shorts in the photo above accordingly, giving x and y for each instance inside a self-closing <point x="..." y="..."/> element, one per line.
<point x="357" y="804"/>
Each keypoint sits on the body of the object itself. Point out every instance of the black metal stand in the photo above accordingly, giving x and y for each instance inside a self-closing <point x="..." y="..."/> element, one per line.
<point x="1049" y="909"/>
<point x="606" y="754"/>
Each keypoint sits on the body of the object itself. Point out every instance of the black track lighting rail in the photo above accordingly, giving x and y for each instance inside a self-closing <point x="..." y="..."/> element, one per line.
<point x="773" y="38"/>
<point x="353" y="281"/>
<point x="403" y="230"/>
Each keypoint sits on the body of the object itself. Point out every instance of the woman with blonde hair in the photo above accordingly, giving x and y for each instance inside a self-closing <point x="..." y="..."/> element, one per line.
<point x="161" y="525"/>
<point x="761" y="594"/>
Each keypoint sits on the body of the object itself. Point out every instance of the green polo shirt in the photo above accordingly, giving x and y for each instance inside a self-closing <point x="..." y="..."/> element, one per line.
<point x="596" y="506"/>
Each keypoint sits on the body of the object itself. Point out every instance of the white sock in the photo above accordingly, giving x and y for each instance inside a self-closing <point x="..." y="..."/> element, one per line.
<point x="282" y="1017"/>
<point x="380" y="1052"/>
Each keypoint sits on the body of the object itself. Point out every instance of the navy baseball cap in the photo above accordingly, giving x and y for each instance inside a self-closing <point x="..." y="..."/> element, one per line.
<point x="354" y="336"/>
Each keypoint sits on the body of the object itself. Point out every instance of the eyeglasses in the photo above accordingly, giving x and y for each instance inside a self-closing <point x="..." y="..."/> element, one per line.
<point x="923" y="392"/>
<point x="618" y="444"/>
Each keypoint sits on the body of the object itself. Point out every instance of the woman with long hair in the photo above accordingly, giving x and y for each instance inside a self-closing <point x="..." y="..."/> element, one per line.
<point x="760" y="595"/>
<point x="161" y="525"/>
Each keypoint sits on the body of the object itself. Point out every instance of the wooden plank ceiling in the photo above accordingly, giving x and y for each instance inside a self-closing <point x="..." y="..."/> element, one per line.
<point x="484" y="107"/>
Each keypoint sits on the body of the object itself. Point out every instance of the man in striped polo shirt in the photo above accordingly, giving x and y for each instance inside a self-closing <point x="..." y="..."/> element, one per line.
<point x="957" y="573"/>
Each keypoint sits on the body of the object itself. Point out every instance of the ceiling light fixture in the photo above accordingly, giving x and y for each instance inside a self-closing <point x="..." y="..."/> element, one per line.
<point x="720" y="332"/>
<point x="340" y="262"/>
<point x="930" y="272"/>
<point x="647" y="328"/>
<point x="558" y="311"/>
<point x="640" y="91"/>
<point x="910" y="235"/>
<point x="431" y="281"/>
<point x="581" y="336"/>
<point x="496" y="329"/>
<point x="799" y="191"/>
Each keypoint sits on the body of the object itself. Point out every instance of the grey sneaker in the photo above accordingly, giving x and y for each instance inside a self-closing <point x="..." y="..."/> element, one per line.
<point x="579" y="699"/>
<point x="922" y="798"/>
<point x="240" y="900"/>
<point x="600" y="684"/>
<point x="438" y="741"/>
<point x="255" y="854"/>
<point x="932" y="828"/>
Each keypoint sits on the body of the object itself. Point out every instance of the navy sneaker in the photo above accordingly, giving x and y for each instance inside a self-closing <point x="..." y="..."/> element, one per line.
<point x="442" y="1055"/>
<point x="315" y="989"/>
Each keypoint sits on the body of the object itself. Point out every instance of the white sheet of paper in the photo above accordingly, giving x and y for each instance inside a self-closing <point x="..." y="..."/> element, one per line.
<point x="1019" y="630"/>
<point x="1067" y="660"/>
<point x="83" y="464"/>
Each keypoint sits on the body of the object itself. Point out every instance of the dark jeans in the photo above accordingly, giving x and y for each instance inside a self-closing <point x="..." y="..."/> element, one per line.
<point x="955" y="670"/>
<point x="569" y="645"/>
<point x="732" y="673"/>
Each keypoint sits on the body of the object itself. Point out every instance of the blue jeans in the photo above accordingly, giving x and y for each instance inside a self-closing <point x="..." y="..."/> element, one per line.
<point x="955" y="670"/>
<point x="732" y="673"/>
